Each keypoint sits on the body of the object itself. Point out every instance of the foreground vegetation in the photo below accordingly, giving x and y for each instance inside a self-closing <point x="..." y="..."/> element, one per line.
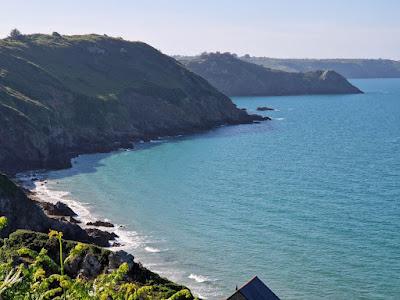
<point x="28" y="270"/>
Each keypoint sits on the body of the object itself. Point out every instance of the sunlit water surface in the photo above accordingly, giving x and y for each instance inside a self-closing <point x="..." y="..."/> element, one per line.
<point x="309" y="202"/>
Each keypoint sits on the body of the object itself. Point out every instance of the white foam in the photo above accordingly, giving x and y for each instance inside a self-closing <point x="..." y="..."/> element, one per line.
<point x="279" y="119"/>
<point x="152" y="250"/>
<point x="129" y="240"/>
<point x="198" y="278"/>
<point x="44" y="193"/>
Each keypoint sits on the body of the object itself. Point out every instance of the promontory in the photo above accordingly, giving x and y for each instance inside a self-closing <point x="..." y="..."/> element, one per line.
<point x="236" y="77"/>
<point x="65" y="95"/>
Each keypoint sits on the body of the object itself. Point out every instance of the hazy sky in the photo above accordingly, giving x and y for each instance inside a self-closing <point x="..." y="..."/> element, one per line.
<point x="284" y="28"/>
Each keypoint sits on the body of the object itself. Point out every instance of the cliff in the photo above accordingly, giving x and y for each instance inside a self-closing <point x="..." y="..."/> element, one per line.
<point x="65" y="95"/>
<point x="236" y="77"/>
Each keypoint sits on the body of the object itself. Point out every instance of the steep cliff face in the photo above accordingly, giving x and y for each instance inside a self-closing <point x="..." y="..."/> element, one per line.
<point x="63" y="95"/>
<point x="235" y="77"/>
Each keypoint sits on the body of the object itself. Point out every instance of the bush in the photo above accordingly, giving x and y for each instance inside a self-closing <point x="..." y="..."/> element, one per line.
<point x="29" y="271"/>
<point x="15" y="34"/>
<point x="56" y="35"/>
<point x="182" y="295"/>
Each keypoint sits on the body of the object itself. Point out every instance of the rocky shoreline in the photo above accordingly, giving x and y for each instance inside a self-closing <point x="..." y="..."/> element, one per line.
<point x="128" y="141"/>
<point x="99" y="232"/>
<point x="61" y="211"/>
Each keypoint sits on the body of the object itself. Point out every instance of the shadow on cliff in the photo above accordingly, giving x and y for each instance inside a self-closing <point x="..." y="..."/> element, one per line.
<point x="90" y="163"/>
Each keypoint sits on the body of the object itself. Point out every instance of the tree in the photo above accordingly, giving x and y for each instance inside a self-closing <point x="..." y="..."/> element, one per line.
<point x="56" y="34"/>
<point x="15" y="34"/>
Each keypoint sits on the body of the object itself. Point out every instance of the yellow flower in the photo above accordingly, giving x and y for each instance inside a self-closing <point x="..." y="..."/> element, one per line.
<point x="39" y="274"/>
<point x="3" y="222"/>
<point x="56" y="234"/>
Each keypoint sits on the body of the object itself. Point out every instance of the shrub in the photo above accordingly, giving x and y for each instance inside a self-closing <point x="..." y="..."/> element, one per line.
<point x="40" y="277"/>
<point x="3" y="222"/>
<point x="15" y="34"/>
<point x="56" y="35"/>
<point x="182" y="295"/>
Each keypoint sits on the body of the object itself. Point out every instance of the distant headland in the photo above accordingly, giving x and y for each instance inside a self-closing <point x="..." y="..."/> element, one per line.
<point x="236" y="77"/>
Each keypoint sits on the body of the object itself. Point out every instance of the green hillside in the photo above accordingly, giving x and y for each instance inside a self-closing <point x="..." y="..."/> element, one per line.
<point x="236" y="77"/>
<point x="63" y="95"/>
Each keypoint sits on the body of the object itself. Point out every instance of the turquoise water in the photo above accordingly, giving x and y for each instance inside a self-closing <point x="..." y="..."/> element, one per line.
<point x="309" y="202"/>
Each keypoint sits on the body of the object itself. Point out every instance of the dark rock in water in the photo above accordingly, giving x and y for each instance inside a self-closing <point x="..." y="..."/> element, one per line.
<point x="58" y="209"/>
<point x="235" y="77"/>
<point x="100" y="224"/>
<point x="100" y="237"/>
<point x="264" y="108"/>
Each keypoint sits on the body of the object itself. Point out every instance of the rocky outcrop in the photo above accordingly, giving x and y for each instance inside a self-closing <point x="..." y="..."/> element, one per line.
<point x="62" y="96"/>
<point x="100" y="224"/>
<point x="58" y="209"/>
<point x="236" y="77"/>
<point x="87" y="261"/>
<point x="101" y="238"/>
<point x="23" y="212"/>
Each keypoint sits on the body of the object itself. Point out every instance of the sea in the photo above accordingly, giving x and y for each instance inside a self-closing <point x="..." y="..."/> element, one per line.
<point x="309" y="202"/>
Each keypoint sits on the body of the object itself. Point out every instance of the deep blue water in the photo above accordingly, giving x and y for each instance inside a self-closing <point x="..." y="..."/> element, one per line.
<point x="309" y="202"/>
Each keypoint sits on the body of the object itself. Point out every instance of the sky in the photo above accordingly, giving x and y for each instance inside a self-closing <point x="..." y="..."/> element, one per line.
<point x="284" y="28"/>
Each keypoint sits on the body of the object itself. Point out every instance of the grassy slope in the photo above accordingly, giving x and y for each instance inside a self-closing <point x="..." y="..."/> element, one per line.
<point x="239" y="78"/>
<point x="90" y="93"/>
